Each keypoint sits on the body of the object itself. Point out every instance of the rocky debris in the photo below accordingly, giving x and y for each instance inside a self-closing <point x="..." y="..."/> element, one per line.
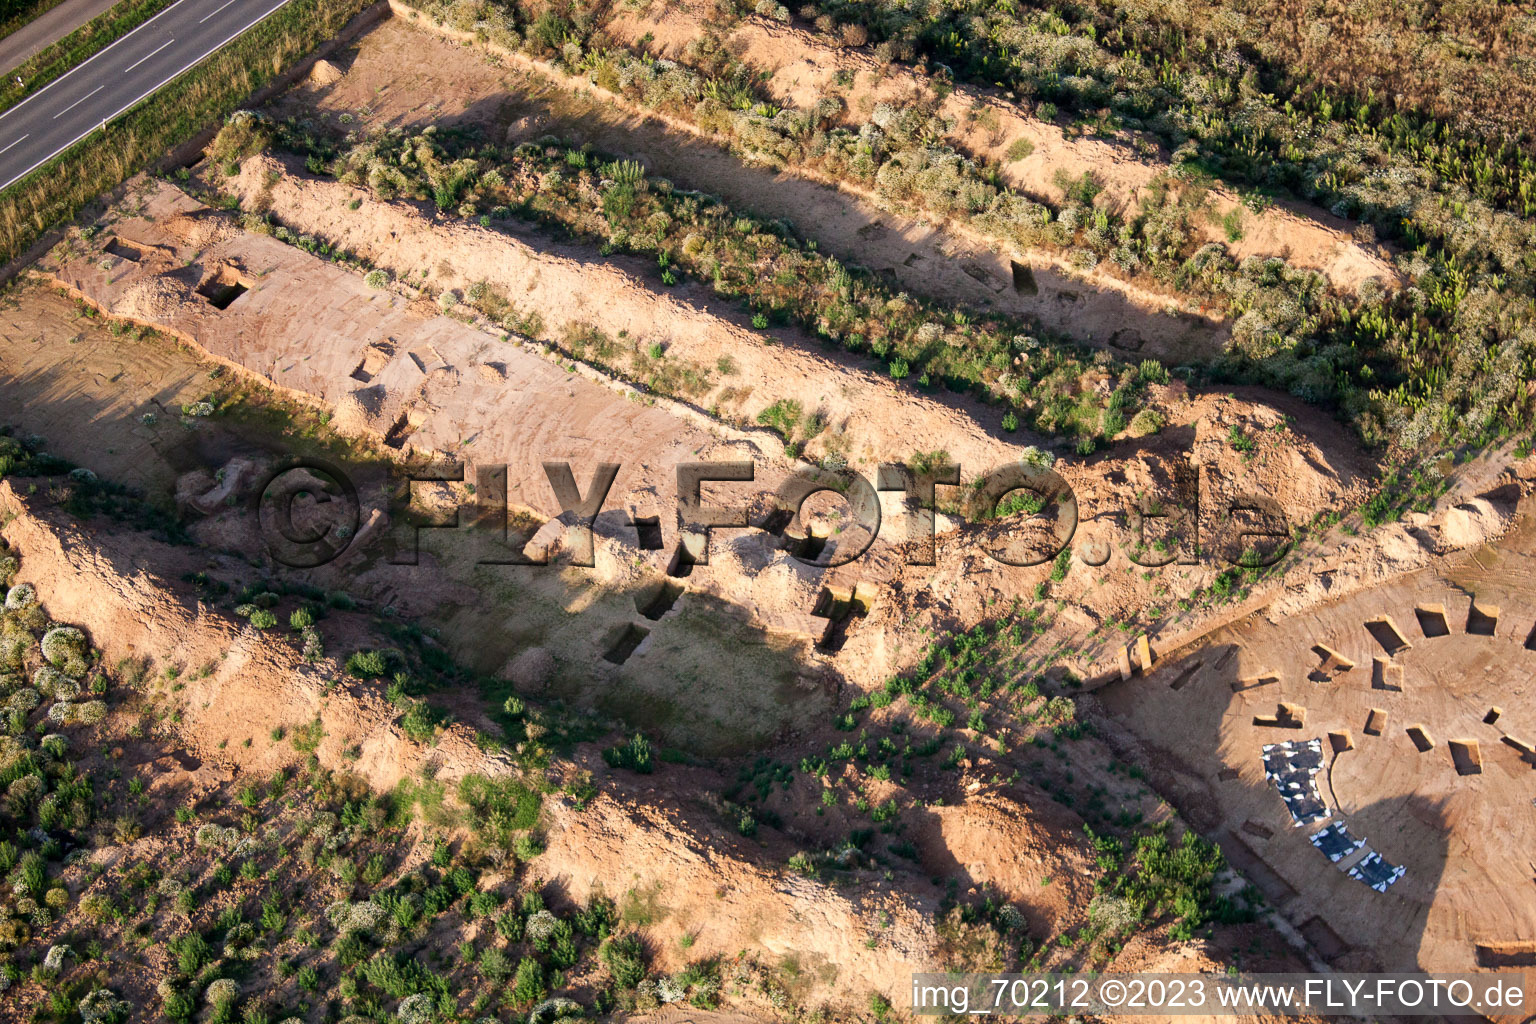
<point x="230" y="476"/>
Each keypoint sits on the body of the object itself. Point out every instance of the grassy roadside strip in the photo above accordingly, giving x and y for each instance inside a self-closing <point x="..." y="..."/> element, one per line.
<point x="202" y="97"/>
<point x="80" y="45"/>
<point x="21" y="13"/>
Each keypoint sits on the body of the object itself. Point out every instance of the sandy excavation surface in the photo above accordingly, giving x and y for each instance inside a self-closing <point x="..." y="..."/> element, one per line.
<point x="661" y="844"/>
<point x="957" y="589"/>
<point x="379" y="364"/>
<point x="413" y="380"/>
<point x="702" y="881"/>
<point x="1419" y="693"/>
<point x="70" y="375"/>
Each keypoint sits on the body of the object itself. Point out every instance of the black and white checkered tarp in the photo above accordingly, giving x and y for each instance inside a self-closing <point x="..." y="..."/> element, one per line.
<point x="1376" y="872"/>
<point x="1292" y="767"/>
<point x="1336" y="842"/>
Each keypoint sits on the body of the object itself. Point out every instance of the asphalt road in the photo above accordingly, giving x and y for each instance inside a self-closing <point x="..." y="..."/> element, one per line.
<point x="62" y="113"/>
<point x="48" y="28"/>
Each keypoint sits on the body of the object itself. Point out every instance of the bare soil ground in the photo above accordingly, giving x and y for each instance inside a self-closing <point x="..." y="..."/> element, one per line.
<point x="439" y="386"/>
<point x="1417" y="690"/>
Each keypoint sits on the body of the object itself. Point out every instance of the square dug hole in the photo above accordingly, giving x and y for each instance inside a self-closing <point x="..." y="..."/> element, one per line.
<point x="222" y="288"/>
<point x="626" y="645"/>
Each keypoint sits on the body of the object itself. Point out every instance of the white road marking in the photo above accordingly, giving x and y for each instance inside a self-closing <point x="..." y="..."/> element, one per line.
<point x="205" y="17"/>
<point x="24" y="138"/>
<point x="146" y="57"/>
<point x="79" y="101"/>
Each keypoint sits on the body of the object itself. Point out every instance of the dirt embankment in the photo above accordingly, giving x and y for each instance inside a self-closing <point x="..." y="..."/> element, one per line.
<point x="871" y="418"/>
<point x="801" y="68"/>
<point x="399" y="78"/>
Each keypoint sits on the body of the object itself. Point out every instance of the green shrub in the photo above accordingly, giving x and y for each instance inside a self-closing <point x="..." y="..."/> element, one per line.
<point x="510" y="926"/>
<point x="65" y="648"/>
<point x="499" y="808"/>
<point x="367" y="664"/>
<point x="1019" y="149"/>
<point x="1145" y="422"/>
<point x="598" y="917"/>
<point x="634" y="755"/>
<point x="624" y="957"/>
<point x="420" y="721"/>
<point x="528" y="987"/>
<point x="192" y="952"/>
<point x="495" y="966"/>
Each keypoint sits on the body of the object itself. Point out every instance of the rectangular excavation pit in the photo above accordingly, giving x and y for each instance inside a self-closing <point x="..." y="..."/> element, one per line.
<point x="1341" y="741"/>
<point x="1506" y="954"/>
<point x="1186" y="674"/>
<point x="1482" y="620"/>
<point x="840" y="607"/>
<point x="222" y="288"/>
<point x="1331" y="664"/>
<point x="375" y="357"/>
<point x="1466" y="756"/>
<point x="1286" y="716"/>
<point x="1386" y="675"/>
<point x="659" y="600"/>
<point x="1492" y="716"/>
<point x="1530" y="639"/>
<point x="1526" y="751"/>
<point x="1259" y="829"/>
<point x="632" y="637"/>
<point x="680" y="566"/>
<point x="1323" y="938"/>
<point x="1023" y="278"/>
<point x="124" y="250"/>
<point x="648" y="531"/>
<point x="811" y="548"/>
<point x="1432" y="621"/>
<point x="1421" y="738"/>
<point x="1385" y="632"/>
<point x="1376" y="722"/>
<point x="400" y="431"/>
<point x="1229" y="775"/>
<point x="1254" y="682"/>
<point x="1276" y="889"/>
